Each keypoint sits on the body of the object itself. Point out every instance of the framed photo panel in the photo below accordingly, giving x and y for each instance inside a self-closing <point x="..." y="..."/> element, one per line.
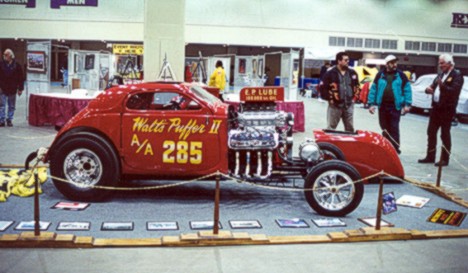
<point x="5" y="224"/>
<point x="239" y="224"/>
<point x="117" y="226"/>
<point x="36" y="61"/>
<point x="372" y="221"/>
<point x="329" y="222"/>
<point x="74" y="226"/>
<point x="29" y="225"/>
<point x="203" y="225"/>
<point x="89" y="61"/>
<point x="70" y="206"/>
<point x="292" y="223"/>
<point x="162" y="226"/>
<point x="389" y="204"/>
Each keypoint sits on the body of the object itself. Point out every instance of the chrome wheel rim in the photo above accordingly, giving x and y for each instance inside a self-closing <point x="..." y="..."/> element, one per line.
<point x="334" y="190"/>
<point x="83" y="167"/>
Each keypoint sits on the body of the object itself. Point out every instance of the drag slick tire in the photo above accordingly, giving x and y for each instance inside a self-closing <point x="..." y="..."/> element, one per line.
<point x="88" y="160"/>
<point x="330" y="189"/>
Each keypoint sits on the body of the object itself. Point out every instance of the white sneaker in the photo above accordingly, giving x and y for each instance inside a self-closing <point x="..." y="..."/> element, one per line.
<point x="320" y="100"/>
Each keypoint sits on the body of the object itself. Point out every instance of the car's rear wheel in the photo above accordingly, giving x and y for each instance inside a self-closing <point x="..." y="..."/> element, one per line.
<point x="331" y="189"/>
<point x="87" y="161"/>
<point x="330" y="151"/>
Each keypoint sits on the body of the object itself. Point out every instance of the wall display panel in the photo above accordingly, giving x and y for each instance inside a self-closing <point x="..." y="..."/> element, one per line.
<point x="36" y="61"/>
<point x="92" y="68"/>
<point x="197" y="69"/>
<point x="249" y="71"/>
<point x="38" y="67"/>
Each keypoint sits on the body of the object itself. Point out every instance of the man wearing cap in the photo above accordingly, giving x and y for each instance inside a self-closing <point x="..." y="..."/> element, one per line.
<point x="391" y="93"/>
<point x="445" y="91"/>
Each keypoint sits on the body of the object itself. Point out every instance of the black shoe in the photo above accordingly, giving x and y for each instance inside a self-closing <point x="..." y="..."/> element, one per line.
<point x="426" y="160"/>
<point x="9" y="124"/>
<point x="2" y="124"/>
<point x="442" y="163"/>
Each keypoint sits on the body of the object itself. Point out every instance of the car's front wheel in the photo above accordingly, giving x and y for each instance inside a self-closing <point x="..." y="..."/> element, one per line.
<point x="82" y="162"/>
<point x="331" y="188"/>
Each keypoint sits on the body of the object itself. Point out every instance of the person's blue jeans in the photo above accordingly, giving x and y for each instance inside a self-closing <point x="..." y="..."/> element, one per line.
<point x="389" y="119"/>
<point x="11" y="101"/>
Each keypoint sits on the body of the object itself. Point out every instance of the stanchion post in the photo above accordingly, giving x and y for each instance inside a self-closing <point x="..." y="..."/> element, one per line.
<point x="37" y="230"/>
<point x="439" y="170"/>
<point x="216" y="208"/>
<point x="378" y="216"/>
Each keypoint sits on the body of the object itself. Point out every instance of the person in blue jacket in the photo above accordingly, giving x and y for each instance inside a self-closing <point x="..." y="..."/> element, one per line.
<point x="391" y="93"/>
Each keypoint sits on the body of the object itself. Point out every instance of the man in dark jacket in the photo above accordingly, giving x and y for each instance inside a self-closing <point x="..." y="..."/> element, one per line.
<point x="445" y="91"/>
<point x="11" y="83"/>
<point x="341" y="88"/>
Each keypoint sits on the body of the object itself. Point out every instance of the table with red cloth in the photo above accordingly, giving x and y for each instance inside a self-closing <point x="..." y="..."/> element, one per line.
<point x="295" y="107"/>
<point x="54" y="108"/>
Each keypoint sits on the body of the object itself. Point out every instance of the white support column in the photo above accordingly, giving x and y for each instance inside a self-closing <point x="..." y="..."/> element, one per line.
<point x="164" y="33"/>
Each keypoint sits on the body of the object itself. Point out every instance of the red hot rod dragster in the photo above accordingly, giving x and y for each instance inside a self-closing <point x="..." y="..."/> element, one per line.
<point x="179" y="131"/>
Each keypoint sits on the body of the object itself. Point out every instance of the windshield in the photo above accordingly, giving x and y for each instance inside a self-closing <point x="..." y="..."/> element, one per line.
<point x="203" y="94"/>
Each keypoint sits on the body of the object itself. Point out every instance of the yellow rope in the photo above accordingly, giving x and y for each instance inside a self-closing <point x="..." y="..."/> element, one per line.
<point x="133" y="188"/>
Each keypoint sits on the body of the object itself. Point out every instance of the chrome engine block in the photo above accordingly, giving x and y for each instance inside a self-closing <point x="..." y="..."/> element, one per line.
<point x="261" y="130"/>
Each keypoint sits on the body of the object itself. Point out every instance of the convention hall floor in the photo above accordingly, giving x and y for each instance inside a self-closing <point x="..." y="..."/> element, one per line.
<point x="445" y="255"/>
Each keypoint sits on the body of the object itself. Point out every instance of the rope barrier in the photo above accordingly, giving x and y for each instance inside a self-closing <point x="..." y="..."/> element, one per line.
<point x="134" y="188"/>
<point x="243" y="181"/>
<point x="422" y="185"/>
<point x="391" y="138"/>
<point x="433" y="150"/>
<point x="31" y="138"/>
<point x="452" y="157"/>
<point x="239" y="180"/>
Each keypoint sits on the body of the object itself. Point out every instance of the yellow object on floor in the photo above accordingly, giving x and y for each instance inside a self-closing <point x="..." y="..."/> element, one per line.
<point x="19" y="182"/>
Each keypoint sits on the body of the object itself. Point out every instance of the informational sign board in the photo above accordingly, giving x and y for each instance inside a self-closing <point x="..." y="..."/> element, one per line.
<point x="262" y="94"/>
<point x="127" y="49"/>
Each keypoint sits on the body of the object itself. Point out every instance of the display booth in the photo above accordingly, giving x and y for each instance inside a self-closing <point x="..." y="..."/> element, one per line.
<point x="89" y="70"/>
<point x="88" y="73"/>
<point x="195" y="69"/>
<point x="127" y="63"/>
<point x="199" y="69"/>
<point x="290" y="74"/>
<point x="283" y="69"/>
<point x="38" y="67"/>
<point x="248" y="71"/>
<point x="314" y="59"/>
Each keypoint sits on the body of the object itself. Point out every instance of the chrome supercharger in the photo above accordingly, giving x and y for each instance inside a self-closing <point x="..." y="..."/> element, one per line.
<point x="262" y="141"/>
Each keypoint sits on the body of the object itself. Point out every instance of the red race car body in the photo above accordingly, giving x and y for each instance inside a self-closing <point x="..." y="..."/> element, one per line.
<point x="177" y="130"/>
<point x="368" y="152"/>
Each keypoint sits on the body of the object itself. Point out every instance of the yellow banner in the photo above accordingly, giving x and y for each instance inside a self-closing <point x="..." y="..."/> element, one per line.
<point x="127" y="49"/>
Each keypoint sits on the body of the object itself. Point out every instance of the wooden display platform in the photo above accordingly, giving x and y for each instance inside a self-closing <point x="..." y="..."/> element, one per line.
<point x="207" y="238"/>
<point x="440" y="191"/>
